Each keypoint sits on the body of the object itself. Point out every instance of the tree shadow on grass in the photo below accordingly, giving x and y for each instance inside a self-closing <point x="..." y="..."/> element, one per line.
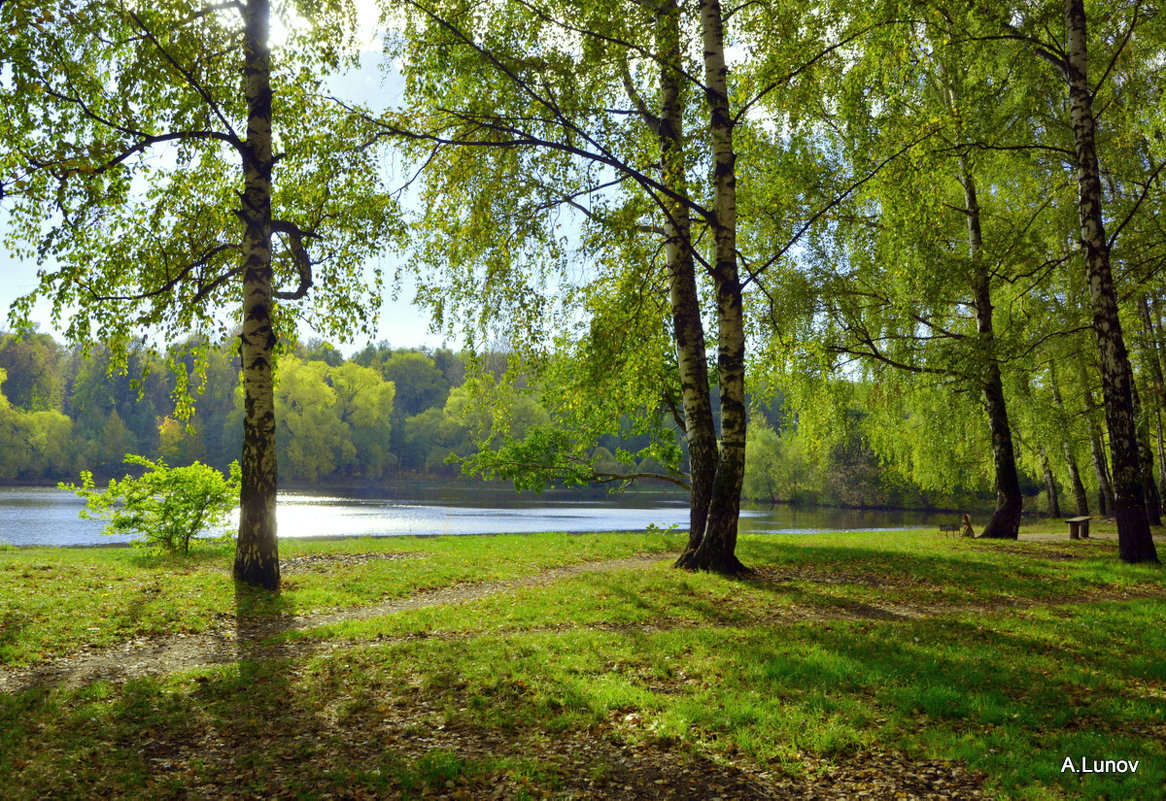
<point x="12" y="625"/>
<point x="202" y="556"/>
<point x="980" y="571"/>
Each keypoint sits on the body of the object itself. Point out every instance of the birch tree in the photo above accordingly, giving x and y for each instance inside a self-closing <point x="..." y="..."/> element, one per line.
<point x="553" y="135"/>
<point x="908" y="277"/>
<point x="1070" y="57"/>
<point x="162" y="191"/>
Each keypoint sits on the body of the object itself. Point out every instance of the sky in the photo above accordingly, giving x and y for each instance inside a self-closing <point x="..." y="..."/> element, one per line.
<point x="401" y="323"/>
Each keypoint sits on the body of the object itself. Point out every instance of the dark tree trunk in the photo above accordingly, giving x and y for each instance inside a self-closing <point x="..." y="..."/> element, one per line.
<point x="717" y="547"/>
<point x="1153" y="327"/>
<point x="1050" y="485"/>
<point x="1079" y="494"/>
<point x="1161" y="458"/>
<point x="687" y="326"/>
<point x="1005" y="521"/>
<point x="257" y="551"/>
<point x="1152" y="408"/>
<point x="1146" y="461"/>
<point x="1104" y="490"/>
<point x="1135" y="543"/>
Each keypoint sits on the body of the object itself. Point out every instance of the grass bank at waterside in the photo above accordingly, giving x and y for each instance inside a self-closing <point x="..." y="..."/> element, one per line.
<point x="556" y="666"/>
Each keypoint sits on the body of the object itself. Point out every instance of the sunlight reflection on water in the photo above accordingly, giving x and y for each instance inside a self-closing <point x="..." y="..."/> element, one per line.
<point x="48" y="516"/>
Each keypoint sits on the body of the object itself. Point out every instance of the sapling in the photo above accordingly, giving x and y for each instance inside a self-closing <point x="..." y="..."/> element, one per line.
<point x="167" y="507"/>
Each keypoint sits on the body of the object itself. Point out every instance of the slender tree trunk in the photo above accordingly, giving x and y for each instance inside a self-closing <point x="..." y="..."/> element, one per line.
<point x="717" y="547"/>
<point x="687" y="326"/>
<point x="1005" y="521"/>
<point x="1097" y="448"/>
<point x="1146" y="460"/>
<point x="1156" y="394"/>
<point x="1050" y="485"/>
<point x="257" y="551"/>
<point x="1133" y="529"/>
<point x="1161" y="457"/>
<point x="1104" y="489"/>
<point x="1154" y="326"/>
<point x="1079" y="495"/>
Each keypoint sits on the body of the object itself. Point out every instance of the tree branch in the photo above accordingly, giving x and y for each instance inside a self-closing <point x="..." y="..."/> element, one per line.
<point x="295" y="237"/>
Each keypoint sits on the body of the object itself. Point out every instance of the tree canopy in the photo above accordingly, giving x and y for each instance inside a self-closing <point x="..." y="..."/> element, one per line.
<point x="930" y="228"/>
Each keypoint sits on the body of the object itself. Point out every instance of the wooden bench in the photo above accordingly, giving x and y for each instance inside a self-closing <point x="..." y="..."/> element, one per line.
<point x="1079" y="527"/>
<point x="949" y="528"/>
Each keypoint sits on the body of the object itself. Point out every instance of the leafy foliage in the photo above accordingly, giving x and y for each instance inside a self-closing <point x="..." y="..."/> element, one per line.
<point x="165" y="507"/>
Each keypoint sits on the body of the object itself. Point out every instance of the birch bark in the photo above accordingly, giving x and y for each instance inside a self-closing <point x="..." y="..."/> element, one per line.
<point x="1134" y="541"/>
<point x="257" y="555"/>
<point x="719" y="541"/>
<point x="687" y="326"/>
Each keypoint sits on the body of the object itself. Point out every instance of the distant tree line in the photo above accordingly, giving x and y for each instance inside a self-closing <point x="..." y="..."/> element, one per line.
<point x="380" y="414"/>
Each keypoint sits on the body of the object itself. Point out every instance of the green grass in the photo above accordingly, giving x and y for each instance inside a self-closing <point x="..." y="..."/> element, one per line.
<point x="1006" y="656"/>
<point x="57" y="600"/>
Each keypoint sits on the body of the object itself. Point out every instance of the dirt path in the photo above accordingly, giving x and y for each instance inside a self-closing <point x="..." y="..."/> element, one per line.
<point x="160" y="656"/>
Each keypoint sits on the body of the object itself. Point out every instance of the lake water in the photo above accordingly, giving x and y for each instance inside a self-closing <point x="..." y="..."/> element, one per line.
<point x="48" y="516"/>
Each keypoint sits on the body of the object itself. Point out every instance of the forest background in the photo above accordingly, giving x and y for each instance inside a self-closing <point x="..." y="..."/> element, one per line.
<point x="377" y="417"/>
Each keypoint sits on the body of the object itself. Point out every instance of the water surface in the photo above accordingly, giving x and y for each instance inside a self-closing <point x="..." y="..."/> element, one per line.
<point x="48" y="516"/>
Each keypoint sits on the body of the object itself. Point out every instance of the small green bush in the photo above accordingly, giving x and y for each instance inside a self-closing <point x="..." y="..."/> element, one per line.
<point x="167" y="507"/>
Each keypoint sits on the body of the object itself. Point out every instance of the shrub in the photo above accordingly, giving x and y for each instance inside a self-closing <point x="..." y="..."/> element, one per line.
<point x="167" y="507"/>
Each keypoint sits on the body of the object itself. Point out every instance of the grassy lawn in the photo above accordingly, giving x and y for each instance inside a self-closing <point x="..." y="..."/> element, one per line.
<point x="1003" y="657"/>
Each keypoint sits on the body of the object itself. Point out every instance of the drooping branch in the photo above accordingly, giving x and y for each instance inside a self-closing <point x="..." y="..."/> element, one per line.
<point x="513" y="137"/>
<point x="141" y="146"/>
<point x="1137" y="204"/>
<point x="804" y="67"/>
<point x="753" y="272"/>
<point x="516" y="135"/>
<point x="295" y="237"/>
<point x="608" y="39"/>
<point x="1117" y="51"/>
<point x="1052" y="53"/>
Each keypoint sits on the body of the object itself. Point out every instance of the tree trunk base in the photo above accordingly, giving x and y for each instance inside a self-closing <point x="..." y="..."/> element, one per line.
<point x="1004" y="524"/>
<point x="257" y="574"/>
<point x="1135" y="543"/>
<point x="725" y="564"/>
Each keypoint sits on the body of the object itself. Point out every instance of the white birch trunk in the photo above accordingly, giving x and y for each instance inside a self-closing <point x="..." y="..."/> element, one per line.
<point x="257" y="555"/>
